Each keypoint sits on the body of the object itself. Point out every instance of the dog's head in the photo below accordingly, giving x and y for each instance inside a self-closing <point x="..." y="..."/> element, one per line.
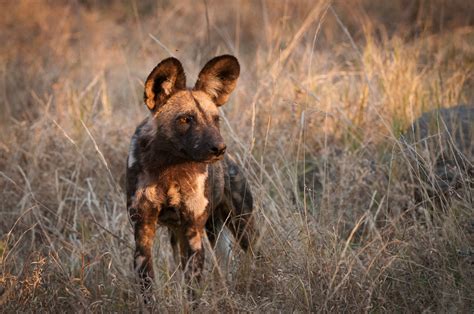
<point x="188" y="119"/>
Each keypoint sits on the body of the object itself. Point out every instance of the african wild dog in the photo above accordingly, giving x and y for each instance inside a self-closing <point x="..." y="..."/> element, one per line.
<point x="178" y="174"/>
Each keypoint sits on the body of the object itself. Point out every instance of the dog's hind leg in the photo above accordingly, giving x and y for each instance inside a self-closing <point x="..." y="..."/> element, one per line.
<point x="240" y="208"/>
<point x="214" y="226"/>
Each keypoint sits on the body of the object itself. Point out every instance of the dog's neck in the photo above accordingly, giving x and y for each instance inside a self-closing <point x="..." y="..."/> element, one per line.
<point x="162" y="160"/>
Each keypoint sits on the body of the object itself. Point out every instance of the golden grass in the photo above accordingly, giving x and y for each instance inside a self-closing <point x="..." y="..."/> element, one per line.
<point x="326" y="90"/>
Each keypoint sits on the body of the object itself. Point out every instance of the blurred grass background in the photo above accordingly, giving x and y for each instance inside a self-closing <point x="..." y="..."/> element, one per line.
<point x="327" y="92"/>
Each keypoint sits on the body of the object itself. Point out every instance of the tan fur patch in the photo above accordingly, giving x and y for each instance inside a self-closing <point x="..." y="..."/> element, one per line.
<point x="151" y="193"/>
<point x="206" y="103"/>
<point x="174" y="197"/>
<point x="150" y="102"/>
<point x="147" y="233"/>
<point x="213" y="85"/>
<point x="167" y="86"/>
<point x="147" y="192"/>
<point x="196" y="202"/>
<point x="196" y="242"/>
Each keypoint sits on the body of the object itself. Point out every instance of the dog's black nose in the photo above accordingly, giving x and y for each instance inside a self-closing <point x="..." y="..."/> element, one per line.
<point x="218" y="149"/>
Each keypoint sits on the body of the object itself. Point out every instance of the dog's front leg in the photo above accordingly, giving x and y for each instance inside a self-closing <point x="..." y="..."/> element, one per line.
<point x="145" y="229"/>
<point x="192" y="257"/>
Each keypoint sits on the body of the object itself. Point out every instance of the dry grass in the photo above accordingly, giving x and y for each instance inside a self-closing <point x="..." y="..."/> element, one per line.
<point x="325" y="92"/>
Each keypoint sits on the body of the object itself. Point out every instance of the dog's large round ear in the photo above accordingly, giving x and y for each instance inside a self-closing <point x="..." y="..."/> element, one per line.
<point x="218" y="78"/>
<point x="166" y="78"/>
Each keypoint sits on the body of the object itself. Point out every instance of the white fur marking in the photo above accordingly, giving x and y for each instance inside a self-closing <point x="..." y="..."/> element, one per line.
<point x="197" y="202"/>
<point x="131" y="156"/>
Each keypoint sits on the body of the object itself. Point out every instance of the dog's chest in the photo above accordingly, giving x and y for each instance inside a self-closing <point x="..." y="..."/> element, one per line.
<point x="183" y="195"/>
<point x="188" y="193"/>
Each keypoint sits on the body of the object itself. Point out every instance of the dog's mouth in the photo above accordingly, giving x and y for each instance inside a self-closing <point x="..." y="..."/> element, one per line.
<point x="214" y="159"/>
<point x="208" y="159"/>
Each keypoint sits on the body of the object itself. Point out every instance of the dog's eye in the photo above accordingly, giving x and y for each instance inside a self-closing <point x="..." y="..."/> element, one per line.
<point x="217" y="119"/>
<point x="185" y="119"/>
